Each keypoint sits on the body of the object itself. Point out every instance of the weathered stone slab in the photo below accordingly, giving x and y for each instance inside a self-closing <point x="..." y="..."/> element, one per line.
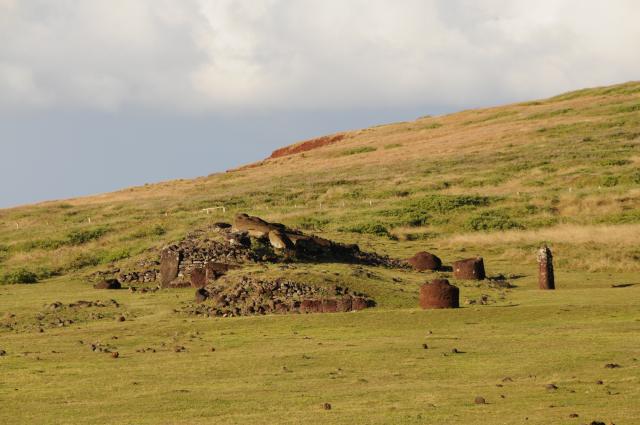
<point x="169" y="266"/>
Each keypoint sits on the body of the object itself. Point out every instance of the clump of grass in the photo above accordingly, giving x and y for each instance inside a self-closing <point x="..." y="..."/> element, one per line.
<point x="358" y="150"/>
<point x="392" y="146"/>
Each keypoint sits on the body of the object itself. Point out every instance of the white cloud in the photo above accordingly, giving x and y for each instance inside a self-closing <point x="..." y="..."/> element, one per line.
<point x="251" y="54"/>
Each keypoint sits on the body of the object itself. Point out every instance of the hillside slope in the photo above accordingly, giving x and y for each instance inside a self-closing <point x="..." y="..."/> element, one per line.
<point x="496" y="180"/>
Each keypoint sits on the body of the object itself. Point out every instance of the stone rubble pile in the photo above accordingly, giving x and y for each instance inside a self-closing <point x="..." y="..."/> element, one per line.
<point x="251" y="296"/>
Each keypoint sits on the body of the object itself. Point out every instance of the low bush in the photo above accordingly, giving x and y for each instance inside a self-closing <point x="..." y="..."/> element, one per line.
<point x="19" y="276"/>
<point x="355" y="151"/>
<point x="491" y="220"/>
<point x="368" y="228"/>
<point x="312" y="223"/>
<point x="84" y="260"/>
<point x="80" y="237"/>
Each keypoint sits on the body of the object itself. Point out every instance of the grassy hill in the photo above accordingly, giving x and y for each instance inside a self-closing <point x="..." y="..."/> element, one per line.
<point x="495" y="182"/>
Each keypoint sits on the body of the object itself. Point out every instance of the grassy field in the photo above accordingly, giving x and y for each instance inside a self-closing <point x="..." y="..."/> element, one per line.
<point x="495" y="182"/>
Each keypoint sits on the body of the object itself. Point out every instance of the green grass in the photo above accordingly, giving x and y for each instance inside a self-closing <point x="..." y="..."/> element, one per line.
<point x="369" y="365"/>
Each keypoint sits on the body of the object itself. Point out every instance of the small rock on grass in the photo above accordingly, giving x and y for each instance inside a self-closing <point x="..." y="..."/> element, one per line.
<point x="480" y="400"/>
<point x="551" y="387"/>
<point x="326" y="406"/>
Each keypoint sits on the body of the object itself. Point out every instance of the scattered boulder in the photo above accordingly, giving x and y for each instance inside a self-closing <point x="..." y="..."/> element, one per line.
<point x="469" y="269"/>
<point x="326" y="406"/>
<point x="108" y="284"/>
<point x="199" y="277"/>
<point x="480" y="400"/>
<point x="425" y="261"/>
<point x="439" y="294"/>
<point x="546" y="278"/>
<point x="169" y="266"/>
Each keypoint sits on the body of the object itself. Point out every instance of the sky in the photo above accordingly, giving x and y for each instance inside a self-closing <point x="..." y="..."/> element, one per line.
<point x="97" y="95"/>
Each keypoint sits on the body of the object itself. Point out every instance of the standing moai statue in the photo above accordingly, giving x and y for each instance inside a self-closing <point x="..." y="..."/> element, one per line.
<point x="545" y="264"/>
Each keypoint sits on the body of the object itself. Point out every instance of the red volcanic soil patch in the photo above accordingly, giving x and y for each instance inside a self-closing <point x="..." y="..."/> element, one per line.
<point x="307" y="145"/>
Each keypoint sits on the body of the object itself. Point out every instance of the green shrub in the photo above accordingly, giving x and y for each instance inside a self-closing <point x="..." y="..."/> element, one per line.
<point x="84" y="260"/>
<point x="355" y="151"/>
<point x="157" y="230"/>
<point x="392" y="146"/>
<point x="431" y="126"/>
<point x="407" y="217"/>
<point x="80" y="237"/>
<point x="117" y="255"/>
<point x="443" y="204"/>
<point x="614" y="162"/>
<point x="491" y="220"/>
<point x="19" y="276"/>
<point x="4" y="251"/>
<point x="368" y="228"/>
<point x="261" y="248"/>
<point x="312" y="223"/>
<point x="45" y="244"/>
<point x="610" y="181"/>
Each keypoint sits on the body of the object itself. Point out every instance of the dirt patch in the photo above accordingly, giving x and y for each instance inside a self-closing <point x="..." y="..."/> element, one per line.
<point x="307" y="145"/>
